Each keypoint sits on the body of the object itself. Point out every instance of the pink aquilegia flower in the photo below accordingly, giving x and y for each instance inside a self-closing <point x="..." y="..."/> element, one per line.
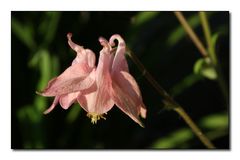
<point x="73" y="80"/>
<point x="97" y="89"/>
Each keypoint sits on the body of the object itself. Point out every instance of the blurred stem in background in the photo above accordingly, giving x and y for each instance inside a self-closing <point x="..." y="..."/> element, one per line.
<point x="170" y="103"/>
<point x="207" y="34"/>
<point x="208" y="66"/>
<point x="211" y="40"/>
<point x="191" y="33"/>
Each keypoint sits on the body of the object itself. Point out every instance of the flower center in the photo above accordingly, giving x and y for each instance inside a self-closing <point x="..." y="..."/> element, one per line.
<point x="95" y="117"/>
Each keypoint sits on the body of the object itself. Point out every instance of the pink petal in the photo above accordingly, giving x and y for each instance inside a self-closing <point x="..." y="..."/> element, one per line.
<point x="127" y="96"/>
<point x="55" y="102"/>
<point x="90" y="58"/>
<point x="85" y="98"/>
<point x="67" y="100"/>
<point x="85" y="56"/>
<point x="119" y="62"/>
<point x="73" y="45"/>
<point x="99" y="100"/>
<point x="74" y="78"/>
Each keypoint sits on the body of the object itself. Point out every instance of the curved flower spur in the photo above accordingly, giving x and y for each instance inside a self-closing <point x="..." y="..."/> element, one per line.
<point x="97" y="89"/>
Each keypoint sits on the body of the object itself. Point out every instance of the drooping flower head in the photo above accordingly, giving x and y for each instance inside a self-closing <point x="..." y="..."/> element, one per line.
<point x="98" y="88"/>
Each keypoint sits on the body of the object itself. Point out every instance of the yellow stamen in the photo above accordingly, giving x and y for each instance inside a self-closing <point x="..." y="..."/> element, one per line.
<point x="95" y="117"/>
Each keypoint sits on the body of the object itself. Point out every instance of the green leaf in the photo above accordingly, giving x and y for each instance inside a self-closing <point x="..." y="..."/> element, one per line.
<point x="174" y="140"/>
<point x="215" y="124"/>
<point x="42" y="61"/>
<point x="40" y="103"/>
<point x="185" y="83"/>
<point x="204" y="67"/>
<point x="215" y="121"/>
<point x="33" y="62"/>
<point x="210" y="73"/>
<point x="198" y="66"/>
<point x="45" y="68"/>
<point x="214" y="39"/>
<point x="143" y="17"/>
<point x="24" y="33"/>
<point x="49" y="26"/>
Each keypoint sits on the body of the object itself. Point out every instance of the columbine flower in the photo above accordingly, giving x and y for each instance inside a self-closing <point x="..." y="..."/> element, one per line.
<point x="97" y="89"/>
<point x="73" y="80"/>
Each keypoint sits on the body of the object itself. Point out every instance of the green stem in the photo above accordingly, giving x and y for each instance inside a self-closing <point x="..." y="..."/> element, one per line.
<point x="212" y="54"/>
<point x="207" y="34"/>
<point x="191" y="33"/>
<point x="194" y="127"/>
<point x="170" y="103"/>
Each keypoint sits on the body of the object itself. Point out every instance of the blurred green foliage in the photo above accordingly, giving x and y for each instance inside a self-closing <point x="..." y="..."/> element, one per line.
<point x="177" y="139"/>
<point x="24" y="33"/>
<point x="142" y="18"/>
<point x="178" y="33"/>
<point x="40" y="52"/>
<point x="215" y="126"/>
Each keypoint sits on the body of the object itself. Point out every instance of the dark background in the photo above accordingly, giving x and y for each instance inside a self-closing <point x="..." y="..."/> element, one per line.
<point x="40" y="52"/>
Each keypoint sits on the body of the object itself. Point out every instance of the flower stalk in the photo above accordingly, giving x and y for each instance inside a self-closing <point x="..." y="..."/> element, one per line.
<point x="212" y="54"/>
<point x="191" y="33"/>
<point x="207" y="34"/>
<point x="170" y="103"/>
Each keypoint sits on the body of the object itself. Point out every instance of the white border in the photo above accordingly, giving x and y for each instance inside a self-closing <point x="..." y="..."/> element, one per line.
<point x="5" y="70"/>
